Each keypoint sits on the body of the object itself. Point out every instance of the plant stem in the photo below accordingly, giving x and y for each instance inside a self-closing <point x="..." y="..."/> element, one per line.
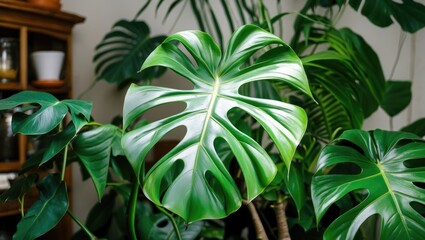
<point x="259" y="228"/>
<point x="132" y="211"/>
<point x="176" y="228"/>
<point x="282" y="224"/>
<point x="21" y="200"/>
<point x="65" y="157"/>
<point x="84" y="228"/>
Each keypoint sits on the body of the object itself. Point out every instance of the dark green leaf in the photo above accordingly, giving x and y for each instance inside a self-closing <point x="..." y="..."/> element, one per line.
<point x="409" y="14"/>
<point x="417" y="127"/>
<point x="122" y="51"/>
<point x="94" y="148"/>
<point x="154" y="226"/>
<point x="80" y="112"/>
<point x="45" y="119"/>
<point x="58" y="142"/>
<point x="390" y="168"/>
<point x="100" y="216"/>
<point x="397" y="97"/>
<point x="19" y="187"/>
<point x="294" y="183"/>
<point x="368" y="85"/>
<point x="47" y="211"/>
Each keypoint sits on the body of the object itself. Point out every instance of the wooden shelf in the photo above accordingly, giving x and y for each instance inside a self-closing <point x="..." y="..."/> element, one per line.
<point x="36" y="29"/>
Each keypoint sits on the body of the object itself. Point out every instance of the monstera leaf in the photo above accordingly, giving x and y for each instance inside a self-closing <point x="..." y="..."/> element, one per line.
<point x="408" y="13"/>
<point x="192" y="175"/>
<point x="121" y="51"/>
<point x="391" y="170"/>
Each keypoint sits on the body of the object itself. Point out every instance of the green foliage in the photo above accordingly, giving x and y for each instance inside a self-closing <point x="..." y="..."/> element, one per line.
<point x="154" y="226"/>
<point x="397" y="97"/>
<point x="417" y="127"/>
<point x="94" y="148"/>
<point x="121" y="52"/>
<point x="46" y="212"/>
<point x="245" y="125"/>
<point x="409" y="14"/>
<point x="19" y="188"/>
<point x="390" y="168"/>
<point x="194" y="166"/>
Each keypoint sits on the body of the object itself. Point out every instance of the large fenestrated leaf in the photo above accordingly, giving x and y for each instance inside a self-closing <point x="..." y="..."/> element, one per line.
<point x="47" y="211"/>
<point x="94" y="148"/>
<point x="391" y="170"/>
<point x="192" y="175"/>
<point x="122" y="50"/>
<point x="408" y="13"/>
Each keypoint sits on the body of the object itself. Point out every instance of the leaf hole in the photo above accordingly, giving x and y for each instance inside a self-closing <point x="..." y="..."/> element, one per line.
<point x="346" y="169"/>
<point x="165" y="145"/>
<point x="351" y="145"/>
<point x="224" y="152"/>
<point x="264" y="89"/>
<point x="419" y="184"/>
<point x="175" y="81"/>
<point x="215" y="185"/>
<point x="163" y="111"/>
<point x="414" y="163"/>
<point x="418" y="207"/>
<point x="369" y="227"/>
<point x="174" y="171"/>
<point x="163" y="223"/>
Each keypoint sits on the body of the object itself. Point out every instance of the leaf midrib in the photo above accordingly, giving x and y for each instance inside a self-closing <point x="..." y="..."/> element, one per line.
<point x="391" y="192"/>
<point x="211" y="107"/>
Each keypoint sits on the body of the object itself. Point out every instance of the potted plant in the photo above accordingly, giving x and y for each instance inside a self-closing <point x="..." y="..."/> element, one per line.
<point x="225" y="160"/>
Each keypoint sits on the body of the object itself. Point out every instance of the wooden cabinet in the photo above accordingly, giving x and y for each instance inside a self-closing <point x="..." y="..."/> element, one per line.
<point x="34" y="29"/>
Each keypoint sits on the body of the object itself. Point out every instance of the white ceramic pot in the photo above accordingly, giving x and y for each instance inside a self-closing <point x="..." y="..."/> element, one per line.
<point x="47" y="64"/>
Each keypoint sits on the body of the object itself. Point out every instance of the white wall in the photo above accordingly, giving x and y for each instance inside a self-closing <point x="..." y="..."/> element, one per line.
<point x="101" y="14"/>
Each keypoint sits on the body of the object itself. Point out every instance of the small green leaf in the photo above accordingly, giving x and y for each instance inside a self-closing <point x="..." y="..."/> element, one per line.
<point x="417" y="127"/>
<point x="19" y="187"/>
<point x="47" y="211"/>
<point x="397" y="97"/>
<point x="294" y="182"/>
<point x="80" y="112"/>
<point x="58" y="142"/>
<point x="94" y="148"/>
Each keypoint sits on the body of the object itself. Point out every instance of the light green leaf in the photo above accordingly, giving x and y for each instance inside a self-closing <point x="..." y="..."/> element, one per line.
<point x="47" y="211"/>
<point x="391" y="165"/>
<point x="192" y="175"/>
<point x="94" y="148"/>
